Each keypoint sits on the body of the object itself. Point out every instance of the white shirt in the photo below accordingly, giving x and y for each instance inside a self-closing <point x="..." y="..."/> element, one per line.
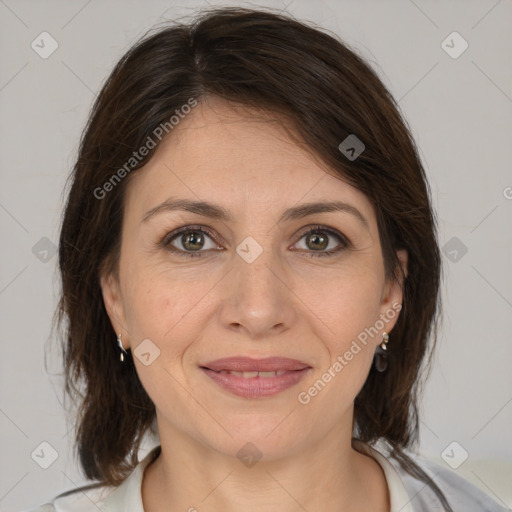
<point x="406" y="493"/>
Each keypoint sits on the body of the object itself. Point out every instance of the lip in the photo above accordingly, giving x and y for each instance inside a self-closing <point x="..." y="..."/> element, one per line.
<point x="248" y="364"/>
<point x="291" y="371"/>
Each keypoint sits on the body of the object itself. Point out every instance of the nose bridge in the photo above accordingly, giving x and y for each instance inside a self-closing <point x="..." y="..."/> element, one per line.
<point x="258" y="299"/>
<point x="256" y="266"/>
<point x="261" y="273"/>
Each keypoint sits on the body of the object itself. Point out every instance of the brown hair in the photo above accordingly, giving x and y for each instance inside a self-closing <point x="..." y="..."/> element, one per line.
<point x="268" y="61"/>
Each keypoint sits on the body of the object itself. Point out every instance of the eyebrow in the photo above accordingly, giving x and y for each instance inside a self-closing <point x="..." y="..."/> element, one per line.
<point x="218" y="212"/>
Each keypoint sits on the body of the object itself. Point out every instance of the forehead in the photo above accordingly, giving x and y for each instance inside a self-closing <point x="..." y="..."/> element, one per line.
<point x="238" y="157"/>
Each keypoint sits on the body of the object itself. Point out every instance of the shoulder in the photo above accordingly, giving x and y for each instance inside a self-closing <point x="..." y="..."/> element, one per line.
<point x="410" y="493"/>
<point x="98" y="497"/>
<point x="88" y="498"/>
<point x="461" y="494"/>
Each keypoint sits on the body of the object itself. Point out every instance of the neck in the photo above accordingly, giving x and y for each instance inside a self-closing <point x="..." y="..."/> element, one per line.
<point x="189" y="476"/>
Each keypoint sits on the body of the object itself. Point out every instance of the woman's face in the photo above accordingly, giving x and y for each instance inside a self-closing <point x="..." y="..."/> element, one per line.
<point x="253" y="284"/>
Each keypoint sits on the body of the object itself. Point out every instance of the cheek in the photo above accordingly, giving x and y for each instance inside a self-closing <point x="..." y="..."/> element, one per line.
<point x="157" y="305"/>
<point x="162" y="310"/>
<point x="347" y="301"/>
<point x="348" y="305"/>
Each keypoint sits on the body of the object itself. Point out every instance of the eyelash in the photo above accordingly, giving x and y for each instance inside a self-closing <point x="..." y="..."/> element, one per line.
<point x="165" y="243"/>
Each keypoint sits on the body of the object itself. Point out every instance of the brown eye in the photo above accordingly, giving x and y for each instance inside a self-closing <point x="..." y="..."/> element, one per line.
<point x="317" y="242"/>
<point x="192" y="240"/>
<point x="319" y="238"/>
<point x="189" y="241"/>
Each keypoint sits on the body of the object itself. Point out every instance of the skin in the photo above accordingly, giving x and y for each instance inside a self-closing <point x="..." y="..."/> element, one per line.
<point x="285" y="303"/>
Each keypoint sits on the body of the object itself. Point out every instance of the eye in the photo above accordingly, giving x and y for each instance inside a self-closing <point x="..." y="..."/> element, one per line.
<point x="319" y="238"/>
<point x="192" y="241"/>
<point x="189" y="241"/>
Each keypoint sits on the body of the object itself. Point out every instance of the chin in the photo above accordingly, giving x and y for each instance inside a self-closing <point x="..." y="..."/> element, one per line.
<point x="254" y="437"/>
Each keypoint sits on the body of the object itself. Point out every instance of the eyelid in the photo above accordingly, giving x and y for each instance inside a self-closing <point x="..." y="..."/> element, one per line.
<point x="184" y="229"/>
<point x="320" y="227"/>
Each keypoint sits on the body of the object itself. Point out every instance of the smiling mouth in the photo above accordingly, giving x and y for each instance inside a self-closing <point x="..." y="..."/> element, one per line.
<point x="255" y="378"/>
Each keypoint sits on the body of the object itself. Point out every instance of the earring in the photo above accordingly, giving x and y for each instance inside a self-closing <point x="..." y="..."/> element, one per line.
<point x="381" y="356"/>
<point x="121" y="348"/>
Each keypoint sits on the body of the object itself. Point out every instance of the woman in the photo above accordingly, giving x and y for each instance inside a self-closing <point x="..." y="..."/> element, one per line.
<point x="249" y="262"/>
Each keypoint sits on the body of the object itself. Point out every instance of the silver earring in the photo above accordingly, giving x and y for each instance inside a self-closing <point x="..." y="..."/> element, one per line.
<point x="121" y="348"/>
<point x="381" y="356"/>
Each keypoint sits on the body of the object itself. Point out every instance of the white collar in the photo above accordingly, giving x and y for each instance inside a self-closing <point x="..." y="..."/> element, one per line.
<point x="398" y="496"/>
<point x="128" y="496"/>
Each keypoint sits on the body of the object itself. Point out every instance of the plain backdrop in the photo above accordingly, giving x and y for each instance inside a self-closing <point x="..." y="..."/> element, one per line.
<point x="458" y="106"/>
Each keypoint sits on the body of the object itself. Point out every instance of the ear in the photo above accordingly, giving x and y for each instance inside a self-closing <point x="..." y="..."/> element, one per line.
<point x="110" y="290"/>
<point x="392" y="296"/>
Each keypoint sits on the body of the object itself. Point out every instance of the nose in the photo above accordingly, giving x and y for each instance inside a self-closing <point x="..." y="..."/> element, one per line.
<point x="258" y="301"/>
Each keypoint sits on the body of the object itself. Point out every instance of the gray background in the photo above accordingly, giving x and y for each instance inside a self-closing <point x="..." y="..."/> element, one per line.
<point x="459" y="110"/>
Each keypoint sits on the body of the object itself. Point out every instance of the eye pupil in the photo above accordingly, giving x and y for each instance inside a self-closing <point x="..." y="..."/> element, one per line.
<point x="193" y="240"/>
<point x="320" y="241"/>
